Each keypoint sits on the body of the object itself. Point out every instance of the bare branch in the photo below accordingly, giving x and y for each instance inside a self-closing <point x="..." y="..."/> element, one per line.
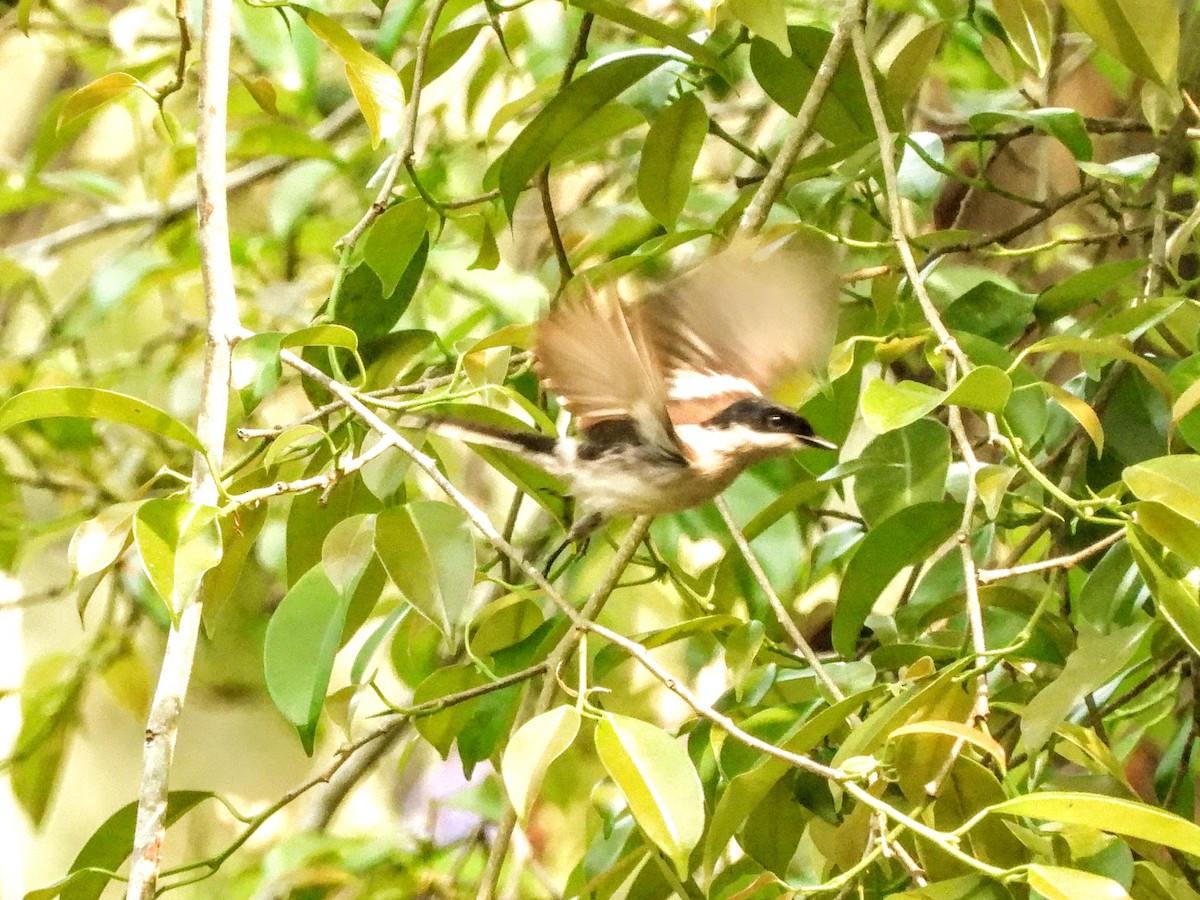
<point x="216" y="267"/>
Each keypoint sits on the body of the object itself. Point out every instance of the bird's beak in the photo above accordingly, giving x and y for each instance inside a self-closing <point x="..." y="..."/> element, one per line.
<point x="814" y="441"/>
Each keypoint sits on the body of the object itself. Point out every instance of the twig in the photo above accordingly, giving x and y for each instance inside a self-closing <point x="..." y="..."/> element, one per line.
<point x="781" y="614"/>
<point x="578" y="54"/>
<point x="223" y="327"/>
<point x="408" y="132"/>
<point x="490" y="879"/>
<point x="113" y="218"/>
<point x="772" y="185"/>
<point x="339" y="785"/>
<point x="987" y="576"/>
<point x="956" y="363"/>
<point x="322" y="482"/>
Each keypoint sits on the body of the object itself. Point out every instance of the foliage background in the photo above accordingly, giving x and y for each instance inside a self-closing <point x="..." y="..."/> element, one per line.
<point x="998" y="570"/>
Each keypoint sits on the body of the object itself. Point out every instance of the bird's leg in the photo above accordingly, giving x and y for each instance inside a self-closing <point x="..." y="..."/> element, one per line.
<point x="580" y="531"/>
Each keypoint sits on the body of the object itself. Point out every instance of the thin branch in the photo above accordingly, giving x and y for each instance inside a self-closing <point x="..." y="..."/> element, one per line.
<point x="956" y="363"/>
<point x="408" y="133"/>
<point x="159" y="214"/>
<point x="772" y="186"/>
<point x="216" y="267"/>
<point x="987" y="576"/>
<point x="578" y="54"/>
<point x="781" y="613"/>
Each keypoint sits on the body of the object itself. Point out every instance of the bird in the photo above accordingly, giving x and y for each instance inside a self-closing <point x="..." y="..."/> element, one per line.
<point x="670" y="396"/>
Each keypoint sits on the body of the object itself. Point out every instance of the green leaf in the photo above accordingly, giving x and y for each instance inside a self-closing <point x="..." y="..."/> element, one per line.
<point x="672" y="146"/>
<point x="50" y="694"/>
<point x="263" y="93"/>
<point x="1176" y="599"/>
<point x="443" y="727"/>
<point x="1141" y="34"/>
<point x="844" y="115"/>
<point x="1179" y="535"/>
<point x="1080" y="411"/>
<point x="958" y="730"/>
<point x="566" y="111"/>
<point x="530" y="751"/>
<point x="901" y="468"/>
<point x="109" y="847"/>
<point x="488" y="256"/>
<point x="1060" y="883"/>
<point x="766" y="18"/>
<point x="443" y="54"/>
<point x="102" y="90"/>
<point x="1096" y="659"/>
<point x="1173" y="481"/>
<point x="301" y="641"/>
<point x="1115" y="815"/>
<point x="908" y="537"/>
<point x="93" y="403"/>
<point x="1029" y="29"/>
<point x="394" y="239"/>
<point x="1087" y="286"/>
<point x="1062" y="123"/>
<point x="907" y="71"/>
<point x="348" y="549"/>
<point x="886" y="407"/>
<point x="178" y="541"/>
<point x="1130" y="171"/>
<point x="659" y="781"/>
<point x="1110" y="348"/>
<point x="255" y="368"/>
<point x="239" y="532"/>
<point x="326" y="335"/>
<point x="622" y="14"/>
<point x="428" y="550"/>
<point x="375" y="84"/>
<point x="990" y="310"/>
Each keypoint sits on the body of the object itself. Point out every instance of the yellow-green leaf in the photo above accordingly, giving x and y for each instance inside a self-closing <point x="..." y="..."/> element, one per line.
<point x="1060" y="883"/>
<point x="1080" y="411"/>
<point x="178" y="541"/>
<point x="530" y="751"/>
<point x="1027" y="23"/>
<point x="1115" y="815"/>
<point x="1142" y="34"/>
<point x="102" y="90"/>
<point x="1173" y="481"/>
<point x="658" y="780"/>
<point x="93" y="403"/>
<point x="375" y="84"/>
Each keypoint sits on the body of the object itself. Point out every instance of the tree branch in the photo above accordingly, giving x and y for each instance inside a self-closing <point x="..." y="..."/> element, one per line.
<point x="772" y="186"/>
<point x="216" y="267"/>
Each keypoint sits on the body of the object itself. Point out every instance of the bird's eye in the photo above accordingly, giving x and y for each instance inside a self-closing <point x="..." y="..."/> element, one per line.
<point x="775" y="422"/>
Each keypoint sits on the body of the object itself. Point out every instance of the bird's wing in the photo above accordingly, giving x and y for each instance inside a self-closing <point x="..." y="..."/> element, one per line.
<point x="598" y="359"/>
<point x="738" y="322"/>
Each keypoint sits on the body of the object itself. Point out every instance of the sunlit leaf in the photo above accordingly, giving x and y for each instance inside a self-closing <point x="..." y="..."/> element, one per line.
<point x="374" y="83"/>
<point x="1142" y="34"/>
<point x="102" y="90"/>
<point x="301" y="642"/>
<point x="93" y="403"/>
<point x="178" y="541"/>
<point x="1173" y="481"/>
<point x="659" y="782"/>
<point x="1060" y="883"/>
<point x="530" y="751"/>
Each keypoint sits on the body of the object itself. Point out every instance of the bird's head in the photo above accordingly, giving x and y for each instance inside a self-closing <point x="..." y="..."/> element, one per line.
<point x="752" y="429"/>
